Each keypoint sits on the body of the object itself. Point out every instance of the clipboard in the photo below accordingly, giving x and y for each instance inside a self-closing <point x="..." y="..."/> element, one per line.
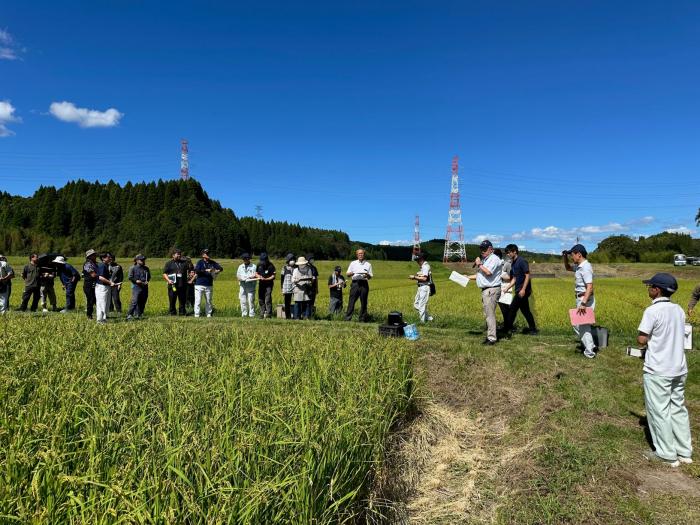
<point x="579" y="319"/>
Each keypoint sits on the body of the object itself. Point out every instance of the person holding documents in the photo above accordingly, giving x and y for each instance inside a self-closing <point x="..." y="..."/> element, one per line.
<point x="665" y="372"/>
<point x="247" y="279"/>
<point x="520" y="282"/>
<point x="360" y="272"/>
<point x="583" y="288"/>
<point x="424" y="278"/>
<point x="488" y="278"/>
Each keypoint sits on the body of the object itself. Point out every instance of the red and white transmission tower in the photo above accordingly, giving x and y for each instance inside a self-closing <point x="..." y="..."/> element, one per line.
<point x="454" y="238"/>
<point x="416" y="238"/>
<point x="184" y="162"/>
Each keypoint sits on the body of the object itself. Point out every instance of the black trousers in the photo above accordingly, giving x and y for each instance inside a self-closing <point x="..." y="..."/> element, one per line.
<point x="34" y="294"/>
<point x="265" y="300"/>
<point x="190" y="295"/>
<point x="70" y="296"/>
<point x="179" y="294"/>
<point x="139" y="296"/>
<point x="522" y="304"/>
<point x="116" y="302"/>
<point x="89" y="290"/>
<point x="358" y="290"/>
<point x="287" y="305"/>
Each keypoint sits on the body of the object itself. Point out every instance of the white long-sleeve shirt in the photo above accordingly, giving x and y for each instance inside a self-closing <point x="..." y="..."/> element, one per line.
<point x="244" y="273"/>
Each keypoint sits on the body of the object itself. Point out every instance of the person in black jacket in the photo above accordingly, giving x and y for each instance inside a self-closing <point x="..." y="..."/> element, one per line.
<point x="139" y="276"/>
<point x="116" y="275"/>
<point x="175" y="273"/>
<point x="89" y="281"/>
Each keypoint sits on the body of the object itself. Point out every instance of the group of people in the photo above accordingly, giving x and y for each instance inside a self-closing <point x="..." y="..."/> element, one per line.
<point x="189" y="285"/>
<point x="661" y="333"/>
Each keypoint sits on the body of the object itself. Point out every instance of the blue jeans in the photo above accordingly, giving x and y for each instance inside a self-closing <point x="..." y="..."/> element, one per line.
<point x="70" y="296"/>
<point x="302" y="309"/>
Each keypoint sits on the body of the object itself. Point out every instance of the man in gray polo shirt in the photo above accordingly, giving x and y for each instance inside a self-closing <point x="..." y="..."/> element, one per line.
<point x="583" y="288"/>
<point x="665" y="371"/>
<point x="488" y="277"/>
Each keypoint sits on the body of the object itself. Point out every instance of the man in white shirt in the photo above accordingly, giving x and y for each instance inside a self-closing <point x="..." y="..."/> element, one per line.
<point x="424" y="278"/>
<point x="583" y="288"/>
<point x="360" y="272"/>
<point x="6" y="274"/>
<point x="488" y="277"/>
<point x="247" y="279"/>
<point x="665" y="371"/>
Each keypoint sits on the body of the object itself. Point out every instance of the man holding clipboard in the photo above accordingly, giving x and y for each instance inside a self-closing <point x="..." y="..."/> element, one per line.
<point x="585" y="300"/>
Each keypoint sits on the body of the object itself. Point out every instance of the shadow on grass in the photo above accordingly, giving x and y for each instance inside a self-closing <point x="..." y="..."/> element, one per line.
<point x="642" y="420"/>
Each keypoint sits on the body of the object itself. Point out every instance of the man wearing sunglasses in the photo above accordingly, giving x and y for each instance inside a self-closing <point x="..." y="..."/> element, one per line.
<point x="665" y="371"/>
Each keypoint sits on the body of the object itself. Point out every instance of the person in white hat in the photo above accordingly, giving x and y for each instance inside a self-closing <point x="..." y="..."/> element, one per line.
<point x="69" y="278"/>
<point x="303" y="279"/>
<point x="6" y="275"/>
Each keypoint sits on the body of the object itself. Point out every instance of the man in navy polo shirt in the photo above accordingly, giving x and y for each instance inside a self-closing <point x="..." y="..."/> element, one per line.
<point x="205" y="269"/>
<point x="520" y="280"/>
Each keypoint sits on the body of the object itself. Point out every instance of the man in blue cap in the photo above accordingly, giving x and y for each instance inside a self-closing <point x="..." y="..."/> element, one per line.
<point x="583" y="288"/>
<point x="665" y="371"/>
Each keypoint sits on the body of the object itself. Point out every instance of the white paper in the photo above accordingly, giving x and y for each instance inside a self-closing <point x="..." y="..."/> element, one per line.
<point x="688" y="340"/>
<point x="506" y="298"/>
<point x="460" y="279"/>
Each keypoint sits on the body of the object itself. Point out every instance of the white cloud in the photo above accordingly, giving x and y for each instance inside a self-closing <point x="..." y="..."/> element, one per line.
<point x="9" y="48"/>
<point x="396" y="243"/>
<point x="7" y="114"/>
<point x="582" y="233"/>
<point x="85" y="118"/>
<point x="681" y="229"/>
<point x="490" y="236"/>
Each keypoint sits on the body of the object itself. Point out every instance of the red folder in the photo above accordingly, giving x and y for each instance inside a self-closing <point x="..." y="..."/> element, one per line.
<point x="577" y="318"/>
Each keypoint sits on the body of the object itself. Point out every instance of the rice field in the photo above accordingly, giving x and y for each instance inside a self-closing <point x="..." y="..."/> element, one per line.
<point x="229" y="420"/>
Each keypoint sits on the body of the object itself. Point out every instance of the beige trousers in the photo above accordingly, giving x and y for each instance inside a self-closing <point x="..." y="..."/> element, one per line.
<point x="489" y="299"/>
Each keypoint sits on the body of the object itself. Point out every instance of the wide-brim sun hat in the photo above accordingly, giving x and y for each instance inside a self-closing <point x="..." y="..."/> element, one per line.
<point x="60" y="260"/>
<point x="301" y="261"/>
<point x="90" y="253"/>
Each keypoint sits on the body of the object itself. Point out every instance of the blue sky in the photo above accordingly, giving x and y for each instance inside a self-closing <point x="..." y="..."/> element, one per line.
<point x="569" y="118"/>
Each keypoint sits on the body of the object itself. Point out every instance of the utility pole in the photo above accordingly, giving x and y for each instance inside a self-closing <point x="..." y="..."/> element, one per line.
<point x="184" y="161"/>
<point x="454" y="237"/>
<point x="416" y="238"/>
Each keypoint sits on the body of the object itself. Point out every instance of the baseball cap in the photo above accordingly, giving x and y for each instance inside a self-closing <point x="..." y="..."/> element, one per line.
<point x="140" y="257"/>
<point x="578" y="248"/>
<point x="419" y="255"/>
<point x="338" y="269"/>
<point x="665" y="281"/>
<point x="205" y="250"/>
<point x="245" y="255"/>
<point x="263" y="256"/>
<point x="485" y="245"/>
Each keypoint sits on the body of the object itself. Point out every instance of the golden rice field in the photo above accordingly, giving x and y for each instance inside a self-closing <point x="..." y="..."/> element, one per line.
<point x="227" y="420"/>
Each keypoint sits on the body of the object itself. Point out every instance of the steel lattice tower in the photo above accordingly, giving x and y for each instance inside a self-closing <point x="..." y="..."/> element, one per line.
<point x="454" y="238"/>
<point x="416" y="237"/>
<point x="184" y="162"/>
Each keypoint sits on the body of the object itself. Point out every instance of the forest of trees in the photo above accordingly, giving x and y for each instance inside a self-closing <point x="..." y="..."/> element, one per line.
<point x="151" y="218"/>
<point x="154" y="217"/>
<point x="655" y="248"/>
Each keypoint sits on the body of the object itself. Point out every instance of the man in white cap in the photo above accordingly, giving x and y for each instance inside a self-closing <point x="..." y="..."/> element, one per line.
<point x="6" y="275"/>
<point x="69" y="278"/>
<point x="665" y="372"/>
<point x="246" y="280"/>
